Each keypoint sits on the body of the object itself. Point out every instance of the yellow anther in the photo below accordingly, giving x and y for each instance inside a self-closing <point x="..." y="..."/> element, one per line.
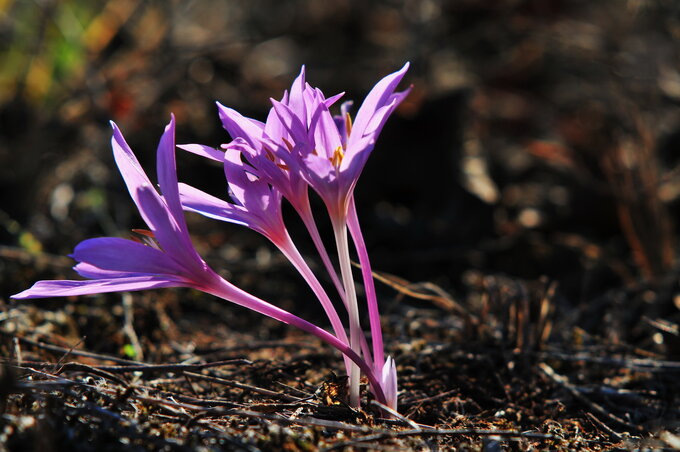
<point x="336" y="160"/>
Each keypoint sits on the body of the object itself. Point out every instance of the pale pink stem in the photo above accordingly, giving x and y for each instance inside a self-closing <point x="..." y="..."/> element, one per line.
<point x="222" y="289"/>
<point x="304" y="210"/>
<point x="369" y="286"/>
<point x="291" y="252"/>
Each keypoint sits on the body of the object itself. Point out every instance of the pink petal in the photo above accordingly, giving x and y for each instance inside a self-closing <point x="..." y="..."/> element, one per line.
<point x="204" y="151"/>
<point x="121" y="255"/>
<point x="166" y="167"/>
<point x="296" y="101"/>
<point x="173" y="238"/>
<point x="291" y="121"/>
<point x="378" y="97"/>
<point x="65" y="288"/>
<point x="128" y="165"/>
<point x="326" y="136"/>
<point x="200" y="202"/>
<point x="333" y="99"/>
<point x="389" y="382"/>
<point x="91" y="272"/>
<point x="239" y="126"/>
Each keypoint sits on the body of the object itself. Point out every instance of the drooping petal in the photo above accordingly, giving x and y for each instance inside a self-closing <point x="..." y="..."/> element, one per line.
<point x="200" y="202"/>
<point x="277" y="168"/>
<point x="323" y="178"/>
<point x="65" y="288"/>
<point x="265" y="163"/>
<point x="320" y="170"/>
<point x="121" y="255"/>
<point x="236" y="176"/>
<point x="204" y="151"/>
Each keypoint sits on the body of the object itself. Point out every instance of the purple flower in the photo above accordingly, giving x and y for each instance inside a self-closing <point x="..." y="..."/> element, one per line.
<point x="267" y="147"/>
<point x="256" y="204"/>
<point x="113" y="264"/>
<point x="116" y="264"/>
<point x="301" y="141"/>
<point x="330" y="153"/>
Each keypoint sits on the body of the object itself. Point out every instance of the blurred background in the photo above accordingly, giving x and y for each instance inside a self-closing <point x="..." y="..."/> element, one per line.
<point x="539" y="143"/>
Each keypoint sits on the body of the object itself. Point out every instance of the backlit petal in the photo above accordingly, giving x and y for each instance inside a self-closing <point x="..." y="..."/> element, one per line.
<point x="166" y="167"/>
<point x="173" y="239"/>
<point x="239" y="126"/>
<point x="65" y="288"/>
<point x="128" y="165"/>
<point x="204" y="151"/>
<point x="326" y="136"/>
<point x="378" y="97"/>
<point x="200" y="202"/>
<point x="116" y="254"/>
<point x="291" y="121"/>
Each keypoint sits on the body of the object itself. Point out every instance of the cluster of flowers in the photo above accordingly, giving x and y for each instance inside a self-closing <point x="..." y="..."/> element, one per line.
<point x="300" y="145"/>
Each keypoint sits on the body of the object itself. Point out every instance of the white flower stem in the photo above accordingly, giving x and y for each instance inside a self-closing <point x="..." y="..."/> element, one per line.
<point x="355" y="332"/>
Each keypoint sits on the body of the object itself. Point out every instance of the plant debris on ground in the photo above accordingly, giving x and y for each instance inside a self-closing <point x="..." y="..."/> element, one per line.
<point x="520" y="209"/>
<point x="476" y="373"/>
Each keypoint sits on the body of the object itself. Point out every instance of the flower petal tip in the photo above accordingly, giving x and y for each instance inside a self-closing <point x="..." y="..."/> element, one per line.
<point x="171" y="124"/>
<point x="19" y="296"/>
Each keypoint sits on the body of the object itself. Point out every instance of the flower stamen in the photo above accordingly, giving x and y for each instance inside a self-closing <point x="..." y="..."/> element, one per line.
<point x="338" y="155"/>
<point x="289" y="145"/>
<point x="348" y="124"/>
<point x="269" y="154"/>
